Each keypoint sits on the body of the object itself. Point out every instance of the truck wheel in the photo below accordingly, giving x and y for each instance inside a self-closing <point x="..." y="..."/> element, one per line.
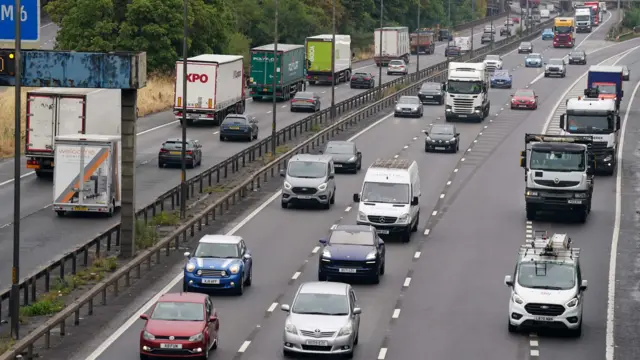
<point x="60" y="213"/>
<point x="112" y="209"/>
<point x="582" y="215"/>
<point x="257" y="98"/>
<point x="347" y="76"/>
<point x="531" y="212"/>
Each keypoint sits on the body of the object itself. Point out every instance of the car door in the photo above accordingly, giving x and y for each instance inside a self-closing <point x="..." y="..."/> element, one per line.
<point x="353" y="300"/>
<point x="332" y="179"/>
<point x="245" y="259"/>
<point x="210" y="328"/>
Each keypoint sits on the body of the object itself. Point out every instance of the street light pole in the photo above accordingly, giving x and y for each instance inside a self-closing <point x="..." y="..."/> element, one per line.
<point x="380" y="54"/>
<point x="274" y="125"/>
<point x="418" y="45"/>
<point x="333" y="62"/>
<point x="183" y="153"/>
<point x="15" y="272"/>
<point x="449" y="13"/>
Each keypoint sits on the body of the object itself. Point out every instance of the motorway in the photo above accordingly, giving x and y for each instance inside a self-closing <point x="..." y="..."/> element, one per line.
<point x="45" y="236"/>
<point x="442" y="296"/>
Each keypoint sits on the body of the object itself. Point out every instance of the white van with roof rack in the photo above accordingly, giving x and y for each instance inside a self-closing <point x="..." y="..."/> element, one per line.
<point x="389" y="200"/>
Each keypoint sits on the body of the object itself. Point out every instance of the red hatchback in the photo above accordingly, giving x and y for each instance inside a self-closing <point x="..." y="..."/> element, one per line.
<point x="180" y="325"/>
<point x="524" y="99"/>
<point x="516" y="20"/>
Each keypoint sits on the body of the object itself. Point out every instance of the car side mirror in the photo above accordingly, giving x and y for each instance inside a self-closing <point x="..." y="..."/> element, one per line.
<point x="282" y="173"/>
<point x="356" y="198"/>
<point x="562" y="118"/>
<point x="425" y="132"/>
<point x="508" y="281"/>
<point x="415" y="201"/>
<point x="247" y="256"/>
<point x="253" y="121"/>
<point x="457" y="134"/>
<point x="536" y="96"/>
<point x="590" y="170"/>
<point x="323" y="241"/>
<point x="212" y="318"/>
<point x="285" y="308"/>
<point x="380" y="243"/>
<point x="359" y="153"/>
<point x="331" y="177"/>
<point x="320" y="151"/>
<point x="583" y="286"/>
<point x="357" y="311"/>
<point x="187" y="255"/>
<point x="144" y="316"/>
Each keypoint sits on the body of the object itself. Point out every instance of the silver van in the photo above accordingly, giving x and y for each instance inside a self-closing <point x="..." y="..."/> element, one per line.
<point x="309" y="180"/>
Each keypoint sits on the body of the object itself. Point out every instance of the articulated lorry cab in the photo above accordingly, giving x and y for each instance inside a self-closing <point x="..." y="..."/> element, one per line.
<point x="607" y="80"/>
<point x="564" y="32"/>
<point x="583" y="19"/>
<point x="558" y="174"/>
<point x="595" y="12"/>
<point x="467" y="90"/>
<point x="599" y="119"/>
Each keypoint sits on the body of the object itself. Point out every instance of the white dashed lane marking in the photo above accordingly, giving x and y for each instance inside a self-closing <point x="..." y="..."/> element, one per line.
<point x="272" y="307"/>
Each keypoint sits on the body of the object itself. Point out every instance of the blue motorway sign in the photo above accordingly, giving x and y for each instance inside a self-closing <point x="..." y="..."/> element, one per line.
<point x="30" y="16"/>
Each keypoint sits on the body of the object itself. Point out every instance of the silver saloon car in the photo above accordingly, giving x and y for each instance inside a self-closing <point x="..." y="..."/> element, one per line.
<point x="323" y="319"/>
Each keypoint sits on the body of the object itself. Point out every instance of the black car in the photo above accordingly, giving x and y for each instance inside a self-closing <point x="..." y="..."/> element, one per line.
<point x="525" y="48"/>
<point x="238" y="126"/>
<point x="487" y="37"/>
<point x="578" y="57"/>
<point x="305" y="101"/>
<point x="444" y="35"/>
<point x="442" y="137"/>
<point x="431" y="93"/>
<point x="505" y="31"/>
<point x="363" y="80"/>
<point x="171" y="153"/>
<point x="345" y="155"/>
<point x="452" y="50"/>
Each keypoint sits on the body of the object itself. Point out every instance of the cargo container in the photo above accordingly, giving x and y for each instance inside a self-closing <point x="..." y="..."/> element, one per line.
<point x="422" y="42"/>
<point x="395" y="45"/>
<point x="318" y="61"/>
<point x="206" y="74"/>
<point x="290" y="78"/>
<point x="88" y="174"/>
<point x="609" y="82"/>
<point x="65" y="111"/>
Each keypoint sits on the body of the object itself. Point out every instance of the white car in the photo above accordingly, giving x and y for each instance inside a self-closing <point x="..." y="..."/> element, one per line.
<point x="397" y="67"/>
<point x="555" y="67"/>
<point x="493" y="62"/>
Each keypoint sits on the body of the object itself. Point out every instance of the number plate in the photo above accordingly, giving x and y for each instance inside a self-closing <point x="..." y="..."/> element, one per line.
<point x="175" y="153"/>
<point x="234" y="128"/>
<point x="462" y="116"/>
<point x="318" y="342"/>
<point x="348" y="271"/>
<point x="523" y="106"/>
<point x="382" y="231"/>
<point x="211" y="281"/>
<point x="575" y="202"/>
<point x="171" y="346"/>
<point x="337" y="165"/>
<point x="80" y="208"/>
<point x="543" y="318"/>
<point x="427" y="97"/>
<point x="440" y="148"/>
<point x="304" y="197"/>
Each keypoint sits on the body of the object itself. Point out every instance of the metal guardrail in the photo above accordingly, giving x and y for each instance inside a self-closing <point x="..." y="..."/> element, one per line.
<point x="122" y="277"/>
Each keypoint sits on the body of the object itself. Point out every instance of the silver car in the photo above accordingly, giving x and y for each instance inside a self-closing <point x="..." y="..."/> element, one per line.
<point x="408" y="106"/>
<point x="309" y="180"/>
<point x="324" y="319"/>
<point x="397" y="67"/>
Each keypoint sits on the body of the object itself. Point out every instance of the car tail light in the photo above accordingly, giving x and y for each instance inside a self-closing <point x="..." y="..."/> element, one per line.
<point x="178" y="114"/>
<point x="353" y="78"/>
<point x="189" y="152"/>
<point x="330" y="78"/>
<point x="367" y="78"/>
<point x="210" y="116"/>
<point x="164" y="150"/>
<point x="308" y="76"/>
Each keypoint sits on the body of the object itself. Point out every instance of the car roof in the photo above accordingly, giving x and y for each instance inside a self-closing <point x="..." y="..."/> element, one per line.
<point x="340" y="142"/>
<point x="311" y="157"/>
<point x="185" y="297"/>
<point x="354" y="228"/>
<point x="323" y="287"/>
<point x="177" y="140"/>
<point x="525" y="90"/>
<point x="220" y="239"/>
<point x="409" y="97"/>
<point x="305" y="93"/>
<point x="500" y="72"/>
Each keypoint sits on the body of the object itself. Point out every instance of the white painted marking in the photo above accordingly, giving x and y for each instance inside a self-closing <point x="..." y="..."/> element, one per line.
<point x="486" y="126"/>
<point x="434" y="213"/>
<point x="529" y="222"/>
<point x="406" y="146"/>
<point x="427" y="231"/>
<point x="529" y="236"/>
<point x="415" y="138"/>
<point x="296" y="275"/>
<point x="462" y="159"/>
<point x="244" y="346"/>
<point x="284" y="106"/>
<point x="217" y="132"/>
<point x="4" y="226"/>
<point x="334" y="226"/>
<point x="441" y="196"/>
<point x="407" y="282"/>
<point x="533" y="343"/>
<point x="395" y="156"/>
<point x="535" y="353"/>
<point x="272" y="307"/>
<point x="382" y="354"/>
<point x="613" y="256"/>
<point x="315" y="250"/>
<point x="396" y="314"/>
<point x="347" y="209"/>
<point x="536" y="79"/>
<point x="455" y="170"/>
<point x="323" y="92"/>
<point x="529" y="231"/>
<point x="480" y="134"/>
<point x="269" y="112"/>
<point x="448" y="182"/>
<point x="417" y="255"/>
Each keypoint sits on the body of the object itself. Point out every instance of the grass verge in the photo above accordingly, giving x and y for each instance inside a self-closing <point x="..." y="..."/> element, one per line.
<point x="148" y="234"/>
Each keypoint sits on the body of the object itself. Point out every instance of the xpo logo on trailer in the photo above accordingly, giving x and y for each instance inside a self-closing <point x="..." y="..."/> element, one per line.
<point x="203" y="78"/>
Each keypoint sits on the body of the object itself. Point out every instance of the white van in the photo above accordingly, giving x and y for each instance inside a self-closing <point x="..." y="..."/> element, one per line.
<point x="389" y="200"/>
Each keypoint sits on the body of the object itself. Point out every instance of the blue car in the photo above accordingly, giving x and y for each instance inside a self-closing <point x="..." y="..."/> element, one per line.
<point x="533" y="60"/>
<point x="220" y="262"/>
<point x="547" y="34"/>
<point x="501" y="79"/>
<point x="352" y="251"/>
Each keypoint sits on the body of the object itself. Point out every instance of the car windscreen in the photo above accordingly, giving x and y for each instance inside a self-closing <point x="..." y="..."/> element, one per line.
<point x="492" y="58"/>
<point x="217" y="250"/>
<point x="396" y="62"/>
<point x="409" y="100"/>
<point x="175" y="145"/>
<point x="557" y="161"/>
<point x="524" y="93"/>
<point x="233" y="120"/>
<point x="307" y="169"/>
<point x="333" y="148"/>
<point x="556" y="62"/>
<point x="321" y="304"/>
<point x="389" y="193"/>
<point x="178" y="311"/>
<point x="351" y="237"/>
<point x="431" y="86"/>
<point x="547" y="275"/>
<point x="441" y="130"/>
<point x="304" y="96"/>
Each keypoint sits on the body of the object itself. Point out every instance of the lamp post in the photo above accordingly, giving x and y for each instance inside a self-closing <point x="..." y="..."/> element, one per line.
<point x="333" y="61"/>
<point x="418" y="45"/>
<point x="274" y="124"/>
<point x="380" y="54"/>
<point x="15" y="271"/>
<point x="183" y="153"/>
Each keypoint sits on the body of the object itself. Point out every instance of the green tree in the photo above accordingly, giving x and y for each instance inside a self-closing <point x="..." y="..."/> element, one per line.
<point x="85" y="24"/>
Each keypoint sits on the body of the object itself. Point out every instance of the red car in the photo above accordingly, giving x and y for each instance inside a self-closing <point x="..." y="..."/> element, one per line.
<point x="524" y="99"/>
<point x="516" y="20"/>
<point x="180" y="325"/>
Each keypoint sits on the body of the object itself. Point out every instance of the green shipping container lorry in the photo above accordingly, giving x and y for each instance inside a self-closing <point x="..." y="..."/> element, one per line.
<point x="290" y="78"/>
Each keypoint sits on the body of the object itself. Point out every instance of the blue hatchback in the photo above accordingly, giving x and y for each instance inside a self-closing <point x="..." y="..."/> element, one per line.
<point x="533" y="60"/>
<point x="547" y="34"/>
<point x="501" y="79"/>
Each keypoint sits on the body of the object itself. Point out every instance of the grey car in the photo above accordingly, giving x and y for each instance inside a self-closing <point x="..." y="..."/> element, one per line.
<point x="324" y="319"/>
<point x="525" y="48"/>
<point x="486" y="37"/>
<point x="578" y="57"/>
<point x="408" y="106"/>
<point x="431" y="93"/>
<point x="309" y="180"/>
<point x="305" y="101"/>
<point x="345" y="154"/>
<point x="555" y="67"/>
<point x="442" y="137"/>
<point x="626" y="73"/>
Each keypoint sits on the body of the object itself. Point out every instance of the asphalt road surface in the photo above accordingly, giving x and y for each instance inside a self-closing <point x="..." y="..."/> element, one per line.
<point x="446" y="285"/>
<point x="44" y="236"/>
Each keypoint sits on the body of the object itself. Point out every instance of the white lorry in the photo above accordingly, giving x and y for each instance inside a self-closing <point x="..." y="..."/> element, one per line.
<point x="463" y="42"/>
<point x="467" y="90"/>
<point x="215" y="88"/>
<point x="603" y="7"/>
<point x="551" y="8"/>
<point x="65" y="111"/>
<point x="395" y="45"/>
<point x="545" y="14"/>
<point x="319" y="59"/>
<point x="88" y="173"/>
<point x="583" y="19"/>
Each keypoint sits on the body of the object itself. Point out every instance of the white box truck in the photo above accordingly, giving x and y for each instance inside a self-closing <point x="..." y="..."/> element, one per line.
<point x="215" y="88"/>
<point x="88" y="174"/>
<point x="319" y="59"/>
<point x="463" y="42"/>
<point x="395" y="45"/>
<point x="53" y="112"/>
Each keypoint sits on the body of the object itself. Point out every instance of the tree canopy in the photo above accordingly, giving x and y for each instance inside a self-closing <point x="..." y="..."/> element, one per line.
<point x="233" y="26"/>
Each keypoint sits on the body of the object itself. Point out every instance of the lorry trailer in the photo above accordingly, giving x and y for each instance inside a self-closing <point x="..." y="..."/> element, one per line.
<point x="206" y="74"/>
<point x="290" y="71"/>
<point x="319" y="59"/>
<point x="607" y="80"/>
<point x="422" y="42"/>
<point x="395" y="45"/>
<point x="53" y="112"/>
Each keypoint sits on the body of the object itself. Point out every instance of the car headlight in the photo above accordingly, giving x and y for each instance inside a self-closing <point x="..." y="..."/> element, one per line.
<point x="581" y="195"/>
<point x="607" y="158"/>
<point x="362" y="216"/>
<point x="573" y="302"/>
<point x="346" y="330"/>
<point x="403" y="218"/>
<point x="397" y="108"/>
<point x="453" y="139"/>
<point x="290" y="328"/>
<point x="353" y="158"/>
<point x="517" y="299"/>
<point x="196" y="337"/>
<point x="190" y="267"/>
<point x="372" y="255"/>
<point x="234" y="269"/>
<point x="322" y="187"/>
<point x="326" y="254"/>
<point x="147" y="335"/>
<point x="287" y="185"/>
<point x="532" y="193"/>
<point x="428" y="138"/>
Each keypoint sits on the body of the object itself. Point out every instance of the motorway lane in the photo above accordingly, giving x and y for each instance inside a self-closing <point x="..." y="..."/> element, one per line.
<point x="272" y="277"/>
<point x="40" y="241"/>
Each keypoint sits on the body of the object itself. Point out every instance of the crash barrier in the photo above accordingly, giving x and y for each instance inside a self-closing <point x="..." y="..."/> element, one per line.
<point x="122" y="277"/>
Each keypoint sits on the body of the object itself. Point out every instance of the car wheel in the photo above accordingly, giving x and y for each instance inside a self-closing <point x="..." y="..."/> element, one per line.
<point x="214" y="346"/>
<point x="284" y="205"/>
<point x="376" y="277"/>
<point x="322" y="276"/>
<point x="333" y="198"/>
<point x="221" y="138"/>
<point x="185" y="287"/>
<point x="382" y="267"/>
<point x="160" y="164"/>
<point x="240" y="289"/>
<point x="249" y="280"/>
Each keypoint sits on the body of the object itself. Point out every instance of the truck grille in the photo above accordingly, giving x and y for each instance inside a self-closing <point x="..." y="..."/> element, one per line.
<point x="323" y="334"/>
<point x="552" y="183"/>
<point x="554" y="69"/>
<point x="211" y="273"/>
<point x="382" y="219"/>
<point x="462" y="106"/>
<point x="492" y="67"/>
<point x="304" y="190"/>
<point x="544" y="309"/>
<point x="598" y="147"/>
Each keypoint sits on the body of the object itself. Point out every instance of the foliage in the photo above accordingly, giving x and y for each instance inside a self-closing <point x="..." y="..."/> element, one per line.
<point x="232" y="27"/>
<point x="631" y="18"/>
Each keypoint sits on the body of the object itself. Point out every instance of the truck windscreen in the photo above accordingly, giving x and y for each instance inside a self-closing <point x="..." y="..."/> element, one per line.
<point x="464" y="87"/>
<point x="583" y="18"/>
<point x="589" y="124"/>
<point x="605" y="88"/>
<point x="557" y="161"/>
<point x="563" y="29"/>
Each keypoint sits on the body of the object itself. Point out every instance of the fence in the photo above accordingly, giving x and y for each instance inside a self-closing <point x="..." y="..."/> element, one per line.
<point x="122" y="277"/>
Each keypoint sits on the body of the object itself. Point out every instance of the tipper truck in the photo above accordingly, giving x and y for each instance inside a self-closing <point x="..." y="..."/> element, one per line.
<point x="290" y="69"/>
<point x="206" y="74"/>
<point x="319" y="59"/>
<point x="395" y="45"/>
<point x="88" y="174"/>
<point x="608" y="82"/>
<point x="422" y="42"/>
<point x="65" y="111"/>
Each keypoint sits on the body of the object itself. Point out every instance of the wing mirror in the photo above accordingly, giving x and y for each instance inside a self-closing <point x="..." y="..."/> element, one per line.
<point x="583" y="286"/>
<point x="356" y="198"/>
<point x="323" y="241"/>
<point x="285" y="308"/>
<point x="415" y="201"/>
<point x="187" y="255"/>
<point x="144" y="316"/>
<point x="457" y="134"/>
<point x="331" y="176"/>
<point x="359" y="153"/>
<point x="357" y="311"/>
<point x="562" y="121"/>
<point x="213" y="318"/>
<point x="247" y="255"/>
<point x="425" y="132"/>
<point x="283" y="173"/>
<point x="380" y="243"/>
<point x="508" y="281"/>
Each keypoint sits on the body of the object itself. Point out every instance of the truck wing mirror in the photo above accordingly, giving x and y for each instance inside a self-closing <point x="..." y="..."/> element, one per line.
<point x="618" y="122"/>
<point x="523" y="153"/>
<point x="523" y="162"/>
<point x="562" y="121"/>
